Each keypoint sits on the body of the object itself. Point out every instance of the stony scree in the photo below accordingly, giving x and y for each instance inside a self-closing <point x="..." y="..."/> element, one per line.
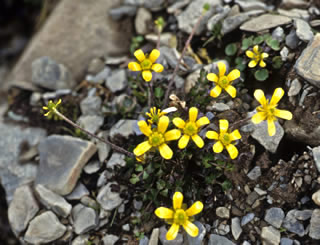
<point x="123" y="128"/>
<point x="223" y="212"/>
<point x="303" y="30"/>
<point x="247" y="218"/>
<point x="44" y="228"/>
<point x="251" y="5"/>
<point x="177" y="241"/>
<point x="219" y="240"/>
<point x="142" y="21"/>
<point x="264" y="22"/>
<point x="236" y="228"/>
<point x="78" y="192"/>
<point x="81" y="240"/>
<point x="116" y="160"/>
<point x="110" y="239"/>
<point x="316" y="157"/>
<point x="92" y="167"/>
<point x="231" y="23"/>
<point x="101" y="77"/>
<point x="314" y="231"/>
<point x="91" y="105"/>
<point x="218" y="17"/>
<point x="84" y="219"/>
<point x="108" y="199"/>
<point x="117" y="81"/>
<point x="22" y="209"/>
<point x="292" y="224"/>
<point x="122" y="11"/>
<point x="103" y="148"/>
<point x="303" y="214"/>
<point x="295" y="87"/>
<point x="286" y="241"/>
<point x="270" y="235"/>
<point x="316" y="197"/>
<point x="61" y="161"/>
<point x="53" y="201"/>
<point x="255" y="173"/>
<point x="274" y="216"/>
<point x="292" y="40"/>
<point x="154" y="238"/>
<point x="91" y="123"/>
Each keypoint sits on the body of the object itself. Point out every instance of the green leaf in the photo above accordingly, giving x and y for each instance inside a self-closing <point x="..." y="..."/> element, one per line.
<point x="226" y="185"/>
<point x="134" y="179"/>
<point x="145" y="175"/>
<point x="246" y="43"/>
<point x="277" y="62"/>
<point x="231" y="49"/>
<point x="161" y="184"/>
<point x="266" y="36"/>
<point x="274" y="44"/>
<point x="258" y="40"/>
<point x="261" y="75"/>
<point x="158" y="92"/>
<point x="241" y="67"/>
<point x="164" y="192"/>
<point x="139" y="168"/>
<point x="238" y="60"/>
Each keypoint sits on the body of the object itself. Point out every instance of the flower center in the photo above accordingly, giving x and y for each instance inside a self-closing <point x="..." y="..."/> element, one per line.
<point x="223" y="82"/>
<point x="180" y="217"/>
<point x="190" y="128"/>
<point x="225" y="139"/>
<point x="146" y="64"/>
<point x="156" y="139"/>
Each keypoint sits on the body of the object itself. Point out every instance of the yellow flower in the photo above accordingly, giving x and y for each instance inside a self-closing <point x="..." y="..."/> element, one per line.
<point x="223" y="81"/>
<point x="154" y="115"/>
<point x="191" y="128"/>
<point x="268" y="111"/>
<point x="256" y="57"/>
<point x="157" y="138"/>
<point x="224" y="139"/>
<point x="146" y="64"/>
<point x="180" y="216"/>
<point x="51" y="107"/>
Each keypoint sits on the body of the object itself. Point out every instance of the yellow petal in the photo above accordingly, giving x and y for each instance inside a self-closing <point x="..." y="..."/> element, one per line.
<point x="212" y="135"/>
<point x="233" y="75"/>
<point x="277" y="95"/>
<point x="231" y="91"/>
<point x="172" y="232"/>
<point x="139" y="55"/>
<point x="177" y="200"/>
<point x="191" y="229"/>
<point x="216" y="91"/>
<point x="264" y="55"/>
<point x="164" y="213"/>
<point x="59" y="102"/>
<point x="262" y="63"/>
<point x="271" y="127"/>
<point x="212" y="77"/>
<point x="154" y="55"/>
<point x="134" y="66"/>
<point x="283" y="114"/>
<point x="147" y="75"/>
<point x="165" y="151"/>
<point x="252" y="63"/>
<point x="183" y="142"/>
<point x="142" y="148"/>
<point x="144" y="128"/>
<point x="45" y="108"/>
<point x="47" y="114"/>
<point x="250" y="54"/>
<point x="232" y="150"/>
<point x="217" y="147"/>
<point x="235" y="135"/>
<point x="163" y="124"/>
<point x="157" y="67"/>
<point x="222" y="69"/>
<point x="193" y="114"/>
<point x="256" y="49"/>
<point x="198" y="140"/>
<point x="259" y="95"/>
<point x="223" y="125"/>
<point x="259" y="117"/>
<point x="202" y="121"/>
<point x="173" y="134"/>
<point x="194" y="209"/>
<point x="178" y="122"/>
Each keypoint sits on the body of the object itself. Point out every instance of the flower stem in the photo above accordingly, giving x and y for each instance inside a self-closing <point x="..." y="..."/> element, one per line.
<point x="106" y="141"/>
<point x="239" y="123"/>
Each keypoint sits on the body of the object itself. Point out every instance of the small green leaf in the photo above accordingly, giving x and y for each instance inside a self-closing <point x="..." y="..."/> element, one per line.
<point x="274" y="44"/>
<point x="241" y="67"/>
<point x="161" y="184"/>
<point x="206" y="6"/>
<point x="231" y="49"/>
<point x="164" y="192"/>
<point x="266" y="36"/>
<point x="238" y="60"/>
<point x="134" y="179"/>
<point x="261" y="75"/>
<point x="246" y="43"/>
<point x="139" y="168"/>
<point x="158" y="92"/>
<point x="226" y="185"/>
<point x="277" y="62"/>
<point x="145" y="175"/>
<point x="258" y="40"/>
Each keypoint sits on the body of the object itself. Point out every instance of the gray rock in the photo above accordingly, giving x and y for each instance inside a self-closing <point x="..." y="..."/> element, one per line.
<point x="218" y="17"/>
<point x="154" y="236"/>
<point x="316" y="197"/>
<point x="295" y="88"/>
<point x="91" y="105"/>
<point x="292" y="40"/>
<point x="303" y="30"/>
<point x="295" y="13"/>
<point x="274" y="216"/>
<point x="110" y="239"/>
<point x="278" y="34"/>
<point x="270" y="143"/>
<point x="126" y="227"/>
<point x="96" y="65"/>
<point x="144" y="241"/>
<point x="177" y="6"/>
<point x="193" y="77"/>
<point x="108" y="199"/>
<point x="270" y="235"/>
<point x="53" y="201"/>
<point x="246" y="219"/>
<point x="123" y="128"/>
<point x="61" y="161"/>
<point x="116" y="160"/>
<point x="314" y="231"/>
<point x="166" y="39"/>
<point x="289" y="4"/>
<point x="164" y="241"/>
<point x="284" y="53"/>
<point x="264" y="22"/>
<point x="220" y="107"/>
<point x="251" y="5"/>
<point x="292" y="225"/>
<point x="219" y="240"/>
<point x="286" y="241"/>
<point x="198" y="239"/>
<point x="91" y="123"/>
<point x="142" y="21"/>
<point x="117" y="81"/>
<point x="168" y="56"/>
<point x="89" y="202"/>
<point x="255" y="173"/>
<point x="47" y="73"/>
<point x="223" y="229"/>
<point x="137" y="204"/>
<point x="22" y="209"/>
<point x="84" y="219"/>
<point x="236" y="228"/>
<point x="92" y="167"/>
<point x="188" y="18"/>
<point x="81" y="240"/>
<point x="233" y="22"/>
<point x="103" y="148"/>
<point x="122" y="11"/>
<point x="223" y="212"/>
<point x="78" y="192"/>
<point x="316" y="157"/>
<point x="44" y="228"/>
<point x="303" y="214"/>
<point x="252" y="197"/>
<point x="101" y="77"/>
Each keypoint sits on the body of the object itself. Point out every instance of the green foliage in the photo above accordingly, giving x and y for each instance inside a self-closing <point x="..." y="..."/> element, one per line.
<point x="215" y="33"/>
<point x="273" y="43"/>
<point x="158" y="92"/>
<point x="231" y="49"/>
<point x="247" y="43"/>
<point x="240" y="64"/>
<point x="261" y="75"/>
<point x="258" y="40"/>
<point x="277" y="62"/>
<point x="135" y="43"/>
<point x="206" y="7"/>
<point x="226" y="185"/>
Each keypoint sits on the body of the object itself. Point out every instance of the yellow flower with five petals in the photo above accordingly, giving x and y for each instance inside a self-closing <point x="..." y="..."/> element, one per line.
<point x="157" y="138"/>
<point x="191" y="128"/>
<point x="224" y="139"/>
<point x="51" y="107"/>
<point x="223" y="81"/>
<point x="180" y="216"/>
<point x="268" y="110"/>
<point x="154" y="115"/>
<point x="256" y="57"/>
<point x="146" y="64"/>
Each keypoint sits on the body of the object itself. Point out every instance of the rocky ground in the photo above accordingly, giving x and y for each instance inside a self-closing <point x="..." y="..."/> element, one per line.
<point x="63" y="187"/>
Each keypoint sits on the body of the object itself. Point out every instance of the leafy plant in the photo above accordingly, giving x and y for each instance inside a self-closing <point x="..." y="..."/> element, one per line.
<point x="231" y="49"/>
<point x="261" y="75"/>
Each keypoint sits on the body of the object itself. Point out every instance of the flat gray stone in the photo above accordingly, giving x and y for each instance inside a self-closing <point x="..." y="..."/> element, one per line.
<point x="220" y="107"/>
<point x="108" y="199"/>
<point x="316" y="197"/>
<point x="255" y="173"/>
<point x="289" y="4"/>
<point x="116" y="160"/>
<point x="316" y="157"/>
<point x="103" y="148"/>
<point x="22" y="209"/>
<point x="295" y="13"/>
<point x="236" y="228"/>
<point x="233" y="22"/>
<point x="286" y="241"/>
<point x="292" y="40"/>
<point x="44" y="228"/>
<point x="223" y="212"/>
<point x="122" y="11"/>
<point x="295" y="87"/>
<point x="303" y="214"/>
<point x="270" y="235"/>
<point x="91" y="123"/>
<point x="219" y="240"/>
<point x="154" y="238"/>
<point x="278" y="34"/>
<point x="218" y="17"/>
<point x="265" y="22"/>
<point x="123" y="128"/>
<point x="91" y="105"/>
<point x="110" y="239"/>
<point x="78" y="192"/>
<point x="62" y="159"/>
<point x="101" y="77"/>
<point x="198" y="239"/>
<point x="177" y="241"/>
<point x="92" y="167"/>
<point x="303" y="30"/>
<point x="81" y="240"/>
<point x="247" y="218"/>
<point x="308" y="64"/>
<point x="274" y="216"/>
<point x="117" y="81"/>
<point x="142" y="21"/>
<point x="251" y="5"/>
<point x="292" y="224"/>
<point x="314" y="231"/>
<point x="84" y="218"/>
